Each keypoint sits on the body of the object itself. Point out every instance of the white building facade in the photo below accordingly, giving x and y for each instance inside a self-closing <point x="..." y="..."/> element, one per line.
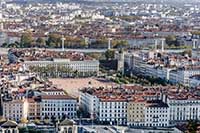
<point x="194" y="81"/>
<point x="113" y="112"/>
<point x="156" y="115"/>
<point x="182" y="76"/>
<point x="58" y="106"/>
<point x="86" y="67"/>
<point x="182" y="110"/>
<point x="89" y="102"/>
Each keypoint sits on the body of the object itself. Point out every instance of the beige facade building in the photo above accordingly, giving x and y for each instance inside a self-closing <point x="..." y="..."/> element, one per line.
<point x="15" y="109"/>
<point x="135" y="112"/>
<point x="153" y="113"/>
<point x="33" y="109"/>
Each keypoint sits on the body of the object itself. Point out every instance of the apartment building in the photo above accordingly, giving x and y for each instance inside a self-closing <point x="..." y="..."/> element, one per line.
<point x="139" y="64"/>
<point x="182" y="75"/>
<point x="58" y="63"/>
<point x="58" y="106"/>
<point x="33" y="109"/>
<point x="120" y="61"/>
<point x="16" y="109"/>
<point x="194" y="81"/>
<point x="89" y="102"/>
<point x="143" y="106"/>
<point x="154" y="113"/>
<point x="115" y="106"/>
<point x="85" y="68"/>
<point x="53" y="91"/>
<point x="173" y="68"/>
<point x="136" y="112"/>
<point x="143" y="63"/>
<point x="113" y="110"/>
<point x="183" y="108"/>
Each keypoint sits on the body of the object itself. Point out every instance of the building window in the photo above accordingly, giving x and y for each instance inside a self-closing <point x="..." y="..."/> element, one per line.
<point x="70" y="130"/>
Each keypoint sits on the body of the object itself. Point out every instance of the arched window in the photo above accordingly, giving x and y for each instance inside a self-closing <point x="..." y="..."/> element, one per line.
<point x="70" y="130"/>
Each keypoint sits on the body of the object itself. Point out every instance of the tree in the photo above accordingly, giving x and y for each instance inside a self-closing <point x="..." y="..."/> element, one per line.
<point x="13" y="45"/>
<point x="26" y="39"/>
<point x="17" y="43"/>
<point x="40" y="42"/>
<point x="159" y="55"/>
<point x="99" y="43"/>
<point x="171" y="40"/>
<point x="36" y="121"/>
<point x="54" y="40"/>
<point x="110" y="54"/>
<point x="46" y="120"/>
<point x="192" y="126"/>
<point x="119" y="43"/>
<point x="75" y="73"/>
<point x="187" y="52"/>
<point x="195" y="33"/>
<point x="2" y="120"/>
<point x="83" y="44"/>
<point x="95" y="55"/>
<point x="24" y="120"/>
<point x="4" y="45"/>
<point x="23" y="130"/>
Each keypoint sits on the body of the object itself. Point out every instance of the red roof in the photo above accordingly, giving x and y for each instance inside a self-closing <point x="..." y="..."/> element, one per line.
<point x="21" y="90"/>
<point x="57" y="97"/>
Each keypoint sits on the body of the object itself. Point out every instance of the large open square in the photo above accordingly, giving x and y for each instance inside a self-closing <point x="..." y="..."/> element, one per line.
<point x="72" y="85"/>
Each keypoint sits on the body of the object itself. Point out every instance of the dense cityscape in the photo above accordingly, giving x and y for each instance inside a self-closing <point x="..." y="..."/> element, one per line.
<point x="100" y="66"/>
